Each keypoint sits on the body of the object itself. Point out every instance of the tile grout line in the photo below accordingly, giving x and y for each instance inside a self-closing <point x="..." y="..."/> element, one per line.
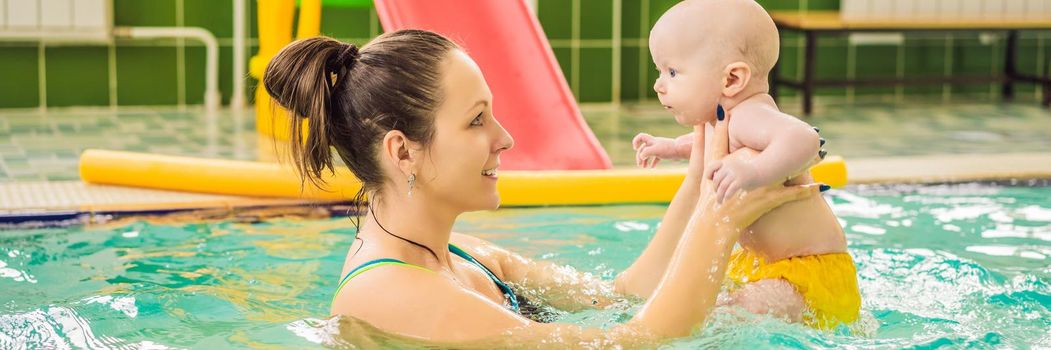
<point x="899" y="71"/>
<point x="111" y="76"/>
<point x="574" y="49"/>
<point x="1039" y="59"/>
<point x="617" y="50"/>
<point x="180" y="57"/>
<point x="42" y="76"/>
<point x="992" y="66"/>
<point x="947" y="71"/>
<point x="228" y="42"/>
<point x="852" y="63"/>
<point x="644" y="20"/>
<point x="618" y="22"/>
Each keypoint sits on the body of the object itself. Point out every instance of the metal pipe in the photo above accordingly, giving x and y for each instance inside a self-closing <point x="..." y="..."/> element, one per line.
<point x="212" y="97"/>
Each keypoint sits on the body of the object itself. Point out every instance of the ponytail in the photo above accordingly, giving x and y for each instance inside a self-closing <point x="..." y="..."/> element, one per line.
<point x="351" y="99"/>
<point x="302" y="78"/>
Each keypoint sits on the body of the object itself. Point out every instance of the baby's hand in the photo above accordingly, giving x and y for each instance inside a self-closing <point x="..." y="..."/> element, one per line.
<point x="649" y="150"/>
<point x="732" y="175"/>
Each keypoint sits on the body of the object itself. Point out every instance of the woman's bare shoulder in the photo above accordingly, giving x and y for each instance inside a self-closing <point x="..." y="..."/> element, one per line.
<point x="417" y="302"/>
<point x="488" y="253"/>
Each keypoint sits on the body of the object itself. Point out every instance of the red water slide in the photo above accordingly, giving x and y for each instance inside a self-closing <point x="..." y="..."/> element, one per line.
<point x="531" y="97"/>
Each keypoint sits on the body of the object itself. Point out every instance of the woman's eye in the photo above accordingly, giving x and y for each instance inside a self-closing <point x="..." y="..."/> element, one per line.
<point x="477" y="120"/>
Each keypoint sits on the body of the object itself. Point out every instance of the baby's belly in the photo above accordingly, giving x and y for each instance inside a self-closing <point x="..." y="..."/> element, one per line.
<point x="801" y="228"/>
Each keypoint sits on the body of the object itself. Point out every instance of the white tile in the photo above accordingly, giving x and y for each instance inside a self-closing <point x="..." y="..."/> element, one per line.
<point x="993" y="9"/>
<point x="944" y="9"/>
<point x="904" y="9"/>
<point x="971" y="9"/>
<point x="854" y="9"/>
<point x="22" y="13"/>
<point x="1014" y="9"/>
<point x="1037" y="9"/>
<point x="929" y="10"/>
<point x="56" y="13"/>
<point x="881" y="9"/>
<point x="90" y="14"/>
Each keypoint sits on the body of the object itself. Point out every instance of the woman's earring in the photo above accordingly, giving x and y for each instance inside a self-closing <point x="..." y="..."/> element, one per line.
<point x="412" y="183"/>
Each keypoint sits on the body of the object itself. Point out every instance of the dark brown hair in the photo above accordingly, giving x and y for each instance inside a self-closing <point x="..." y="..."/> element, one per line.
<point x="352" y="98"/>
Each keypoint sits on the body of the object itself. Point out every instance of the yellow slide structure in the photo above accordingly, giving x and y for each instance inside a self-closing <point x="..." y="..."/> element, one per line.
<point x="517" y="188"/>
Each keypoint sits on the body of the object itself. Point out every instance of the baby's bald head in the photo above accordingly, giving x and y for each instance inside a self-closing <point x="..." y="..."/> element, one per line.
<point x="720" y="32"/>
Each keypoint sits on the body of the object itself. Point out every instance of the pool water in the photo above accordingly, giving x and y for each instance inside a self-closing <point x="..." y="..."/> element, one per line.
<point x="952" y="265"/>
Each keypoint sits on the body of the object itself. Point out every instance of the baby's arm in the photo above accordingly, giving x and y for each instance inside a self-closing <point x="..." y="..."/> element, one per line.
<point x="649" y="150"/>
<point x="786" y="146"/>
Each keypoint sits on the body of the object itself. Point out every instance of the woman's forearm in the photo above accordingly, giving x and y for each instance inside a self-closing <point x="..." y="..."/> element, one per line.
<point x="645" y="273"/>
<point x="687" y="291"/>
<point x="642" y="276"/>
<point x="560" y="286"/>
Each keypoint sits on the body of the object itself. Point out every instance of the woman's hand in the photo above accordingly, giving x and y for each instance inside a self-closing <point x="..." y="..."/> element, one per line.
<point x="744" y="208"/>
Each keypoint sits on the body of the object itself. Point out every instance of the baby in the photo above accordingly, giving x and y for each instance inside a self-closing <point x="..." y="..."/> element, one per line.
<point x="714" y="57"/>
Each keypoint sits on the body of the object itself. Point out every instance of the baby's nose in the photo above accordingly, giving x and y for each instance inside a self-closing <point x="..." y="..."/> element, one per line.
<point x="658" y="86"/>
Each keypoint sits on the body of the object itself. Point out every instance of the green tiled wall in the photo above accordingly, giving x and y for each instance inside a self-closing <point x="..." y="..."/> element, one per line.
<point x="166" y="72"/>
<point x="921" y="54"/>
<point x="19" y="70"/>
<point x="77" y="76"/>
<point x="586" y="36"/>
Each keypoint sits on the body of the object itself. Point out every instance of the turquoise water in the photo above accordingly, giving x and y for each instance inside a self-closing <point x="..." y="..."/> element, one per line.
<point x="954" y="265"/>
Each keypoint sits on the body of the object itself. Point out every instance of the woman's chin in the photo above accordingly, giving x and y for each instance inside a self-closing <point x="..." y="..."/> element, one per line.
<point x="494" y="203"/>
<point x="488" y="203"/>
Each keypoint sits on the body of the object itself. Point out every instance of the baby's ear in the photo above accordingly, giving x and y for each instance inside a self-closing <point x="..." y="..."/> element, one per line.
<point x="736" y="77"/>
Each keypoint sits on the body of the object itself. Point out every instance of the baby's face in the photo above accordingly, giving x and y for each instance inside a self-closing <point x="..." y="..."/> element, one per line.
<point x="686" y="86"/>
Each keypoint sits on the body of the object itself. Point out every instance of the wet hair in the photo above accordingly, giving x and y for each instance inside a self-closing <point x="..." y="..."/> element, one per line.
<point x="352" y="97"/>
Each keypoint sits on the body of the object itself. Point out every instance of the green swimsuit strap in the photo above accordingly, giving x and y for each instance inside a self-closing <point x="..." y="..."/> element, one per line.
<point x="371" y="265"/>
<point x="507" y="291"/>
<point x="512" y="299"/>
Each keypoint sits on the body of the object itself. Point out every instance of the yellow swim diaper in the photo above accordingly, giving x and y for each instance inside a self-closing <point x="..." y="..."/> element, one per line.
<point x="827" y="282"/>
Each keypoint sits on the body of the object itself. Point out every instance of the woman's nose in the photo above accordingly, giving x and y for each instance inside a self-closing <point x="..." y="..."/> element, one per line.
<point x="504" y="140"/>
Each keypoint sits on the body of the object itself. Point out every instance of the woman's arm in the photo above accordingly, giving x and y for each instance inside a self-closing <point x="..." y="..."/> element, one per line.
<point x="444" y="311"/>
<point x="425" y="305"/>
<point x="560" y="286"/>
<point x="567" y="289"/>
<point x="687" y="290"/>
<point x="642" y="276"/>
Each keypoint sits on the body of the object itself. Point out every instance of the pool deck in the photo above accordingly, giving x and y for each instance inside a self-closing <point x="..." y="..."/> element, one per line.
<point x="949" y="168"/>
<point x="28" y="198"/>
<point x="937" y="143"/>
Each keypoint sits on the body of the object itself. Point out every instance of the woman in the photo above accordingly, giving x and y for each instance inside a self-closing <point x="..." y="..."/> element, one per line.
<point x="411" y="115"/>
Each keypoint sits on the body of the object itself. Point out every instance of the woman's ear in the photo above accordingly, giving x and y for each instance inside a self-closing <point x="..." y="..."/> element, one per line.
<point x="401" y="151"/>
<point x="736" y="77"/>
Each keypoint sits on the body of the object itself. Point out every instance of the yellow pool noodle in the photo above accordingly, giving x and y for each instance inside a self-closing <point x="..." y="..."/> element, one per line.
<point x="517" y="188"/>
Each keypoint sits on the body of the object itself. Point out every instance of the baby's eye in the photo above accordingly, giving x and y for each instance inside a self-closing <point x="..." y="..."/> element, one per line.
<point x="671" y="72"/>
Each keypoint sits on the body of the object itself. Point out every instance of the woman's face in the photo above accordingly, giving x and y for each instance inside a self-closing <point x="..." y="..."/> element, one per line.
<point x="460" y="166"/>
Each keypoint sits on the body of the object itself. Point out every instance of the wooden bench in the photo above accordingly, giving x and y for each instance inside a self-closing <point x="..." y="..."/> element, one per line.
<point x="814" y="23"/>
